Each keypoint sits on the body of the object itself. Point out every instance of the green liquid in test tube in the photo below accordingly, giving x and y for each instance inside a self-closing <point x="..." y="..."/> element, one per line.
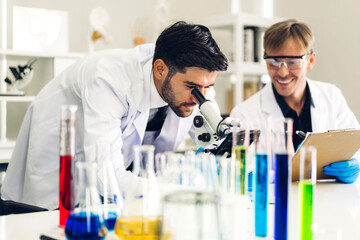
<point x="307" y="183"/>
<point x="240" y="157"/>
<point x="306" y="209"/>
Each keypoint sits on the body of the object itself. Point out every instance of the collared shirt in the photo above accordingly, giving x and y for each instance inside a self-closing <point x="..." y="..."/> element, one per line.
<point x="301" y="122"/>
<point x="156" y="102"/>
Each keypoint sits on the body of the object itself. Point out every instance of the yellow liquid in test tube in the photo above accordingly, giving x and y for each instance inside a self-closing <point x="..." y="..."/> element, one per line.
<point x="139" y="228"/>
<point x="239" y="152"/>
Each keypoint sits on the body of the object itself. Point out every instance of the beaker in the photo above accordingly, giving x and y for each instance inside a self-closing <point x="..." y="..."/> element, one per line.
<point x="86" y="221"/>
<point x="307" y="183"/>
<point x="192" y="216"/>
<point x="141" y="218"/>
<point x="281" y="136"/>
<point x="67" y="151"/>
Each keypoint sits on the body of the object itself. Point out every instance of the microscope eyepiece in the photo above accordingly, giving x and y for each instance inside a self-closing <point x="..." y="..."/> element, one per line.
<point x="198" y="96"/>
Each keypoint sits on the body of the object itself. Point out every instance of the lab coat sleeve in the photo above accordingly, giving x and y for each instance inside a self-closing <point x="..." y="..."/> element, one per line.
<point x="344" y="116"/>
<point x="105" y="106"/>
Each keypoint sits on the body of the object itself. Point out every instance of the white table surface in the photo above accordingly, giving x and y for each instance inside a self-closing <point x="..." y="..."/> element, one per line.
<point x="337" y="215"/>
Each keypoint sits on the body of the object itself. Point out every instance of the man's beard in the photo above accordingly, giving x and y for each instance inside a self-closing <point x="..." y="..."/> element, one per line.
<point x="169" y="97"/>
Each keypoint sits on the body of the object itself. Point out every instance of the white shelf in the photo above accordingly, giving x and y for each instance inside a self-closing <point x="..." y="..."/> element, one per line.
<point x="250" y="68"/>
<point x="230" y="20"/>
<point x="6" y="149"/>
<point x="17" y="53"/>
<point x="7" y="144"/>
<point x="235" y="24"/>
<point x="17" y="98"/>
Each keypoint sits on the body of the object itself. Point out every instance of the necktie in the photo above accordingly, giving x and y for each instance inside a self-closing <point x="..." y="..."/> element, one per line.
<point x="157" y="122"/>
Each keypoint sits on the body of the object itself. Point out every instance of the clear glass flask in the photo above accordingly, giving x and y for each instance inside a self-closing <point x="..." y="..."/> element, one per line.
<point x="87" y="220"/>
<point x="141" y="218"/>
<point x="192" y="215"/>
<point x="67" y="151"/>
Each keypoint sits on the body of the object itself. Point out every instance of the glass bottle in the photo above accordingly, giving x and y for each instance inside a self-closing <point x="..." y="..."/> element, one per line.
<point x="67" y="151"/>
<point x="86" y="221"/>
<point x="141" y="218"/>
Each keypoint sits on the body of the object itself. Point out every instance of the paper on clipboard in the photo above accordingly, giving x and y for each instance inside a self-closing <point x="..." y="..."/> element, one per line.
<point x="332" y="146"/>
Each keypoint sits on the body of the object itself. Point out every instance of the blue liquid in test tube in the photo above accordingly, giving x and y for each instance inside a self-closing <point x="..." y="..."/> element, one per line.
<point x="111" y="220"/>
<point x="261" y="194"/>
<point x="281" y="196"/>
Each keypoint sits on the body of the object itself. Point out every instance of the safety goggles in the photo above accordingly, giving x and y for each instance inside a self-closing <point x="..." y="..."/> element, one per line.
<point x="290" y="62"/>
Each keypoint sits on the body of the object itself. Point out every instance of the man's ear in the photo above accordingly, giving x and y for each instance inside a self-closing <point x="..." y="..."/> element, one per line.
<point x="311" y="61"/>
<point x="160" y="69"/>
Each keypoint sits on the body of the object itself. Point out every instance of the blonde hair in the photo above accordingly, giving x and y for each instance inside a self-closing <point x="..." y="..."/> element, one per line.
<point x="276" y="36"/>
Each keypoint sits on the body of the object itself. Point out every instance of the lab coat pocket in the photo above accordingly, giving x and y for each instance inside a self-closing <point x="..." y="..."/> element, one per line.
<point x="44" y="142"/>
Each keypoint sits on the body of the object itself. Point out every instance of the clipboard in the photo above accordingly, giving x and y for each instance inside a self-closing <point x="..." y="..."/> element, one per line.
<point x="332" y="146"/>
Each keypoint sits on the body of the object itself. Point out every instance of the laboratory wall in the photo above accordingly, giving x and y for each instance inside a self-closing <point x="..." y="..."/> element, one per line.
<point x="126" y="17"/>
<point x="336" y="26"/>
<point x="334" y="22"/>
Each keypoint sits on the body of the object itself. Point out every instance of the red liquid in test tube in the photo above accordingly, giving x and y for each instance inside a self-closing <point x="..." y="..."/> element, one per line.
<point x="67" y="150"/>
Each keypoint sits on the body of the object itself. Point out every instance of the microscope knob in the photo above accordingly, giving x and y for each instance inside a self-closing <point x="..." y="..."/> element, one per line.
<point x="198" y="121"/>
<point x="205" y="137"/>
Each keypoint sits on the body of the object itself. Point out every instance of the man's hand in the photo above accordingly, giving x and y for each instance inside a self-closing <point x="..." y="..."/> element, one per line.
<point x="344" y="171"/>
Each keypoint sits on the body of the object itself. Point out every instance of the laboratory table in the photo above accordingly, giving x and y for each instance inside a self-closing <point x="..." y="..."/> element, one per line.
<point x="337" y="215"/>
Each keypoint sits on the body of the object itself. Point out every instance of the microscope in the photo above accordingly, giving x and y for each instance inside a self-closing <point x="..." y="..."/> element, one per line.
<point x="23" y="73"/>
<point x="212" y="132"/>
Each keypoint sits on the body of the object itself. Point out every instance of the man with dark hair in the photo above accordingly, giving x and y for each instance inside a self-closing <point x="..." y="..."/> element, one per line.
<point x="125" y="97"/>
<point x="314" y="106"/>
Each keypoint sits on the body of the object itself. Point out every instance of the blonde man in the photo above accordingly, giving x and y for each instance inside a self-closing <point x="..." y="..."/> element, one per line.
<point x="314" y="106"/>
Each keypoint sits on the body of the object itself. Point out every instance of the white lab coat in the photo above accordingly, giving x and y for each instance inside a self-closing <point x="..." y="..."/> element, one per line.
<point x="329" y="111"/>
<point x="112" y="91"/>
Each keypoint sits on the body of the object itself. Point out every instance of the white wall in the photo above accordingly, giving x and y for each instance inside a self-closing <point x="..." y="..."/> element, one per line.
<point x="336" y="25"/>
<point x="123" y="15"/>
<point x="334" y="22"/>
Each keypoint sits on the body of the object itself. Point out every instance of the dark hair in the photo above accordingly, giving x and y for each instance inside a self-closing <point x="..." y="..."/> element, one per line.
<point x="183" y="45"/>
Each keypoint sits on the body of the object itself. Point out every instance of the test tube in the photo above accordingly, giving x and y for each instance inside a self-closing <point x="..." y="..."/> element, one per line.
<point x="113" y="201"/>
<point x="241" y="137"/>
<point x="281" y="130"/>
<point x="67" y="151"/>
<point x="307" y="183"/>
<point x="261" y="176"/>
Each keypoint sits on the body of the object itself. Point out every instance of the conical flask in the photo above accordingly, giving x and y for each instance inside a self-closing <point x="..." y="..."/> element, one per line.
<point x="86" y="221"/>
<point x="141" y="218"/>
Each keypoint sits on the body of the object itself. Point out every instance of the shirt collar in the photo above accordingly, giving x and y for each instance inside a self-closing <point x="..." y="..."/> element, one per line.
<point x="155" y="99"/>
<point x="285" y="107"/>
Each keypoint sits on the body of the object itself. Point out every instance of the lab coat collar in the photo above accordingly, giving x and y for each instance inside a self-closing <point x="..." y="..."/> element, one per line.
<point x="316" y="118"/>
<point x="270" y="106"/>
<point x="268" y="102"/>
<point x="155" y="99"/>
<point x="143" y="109"/>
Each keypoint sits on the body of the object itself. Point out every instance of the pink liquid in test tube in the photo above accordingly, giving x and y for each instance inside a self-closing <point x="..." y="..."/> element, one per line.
<point x="67" y="150"/>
